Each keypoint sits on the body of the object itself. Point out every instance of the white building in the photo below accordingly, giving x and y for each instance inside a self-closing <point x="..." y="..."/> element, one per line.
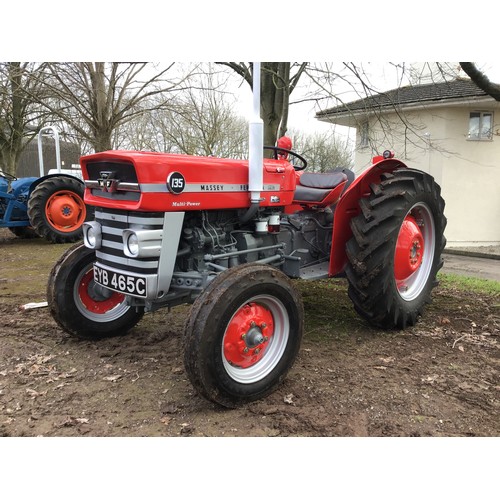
<point x="450" y="130"/>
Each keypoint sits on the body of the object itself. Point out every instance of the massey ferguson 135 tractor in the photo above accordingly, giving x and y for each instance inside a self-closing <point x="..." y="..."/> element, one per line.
<point x="230" y="236"/>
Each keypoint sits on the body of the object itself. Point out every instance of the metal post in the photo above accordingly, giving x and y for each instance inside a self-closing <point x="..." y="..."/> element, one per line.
<point x="256" y="142"/>
<point x="55" y="133"/>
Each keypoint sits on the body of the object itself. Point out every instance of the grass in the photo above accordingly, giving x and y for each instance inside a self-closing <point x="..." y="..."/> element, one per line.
<point x="24" y="268"/>
<point x="480" y="285"/>
<point x="329" y="312"/>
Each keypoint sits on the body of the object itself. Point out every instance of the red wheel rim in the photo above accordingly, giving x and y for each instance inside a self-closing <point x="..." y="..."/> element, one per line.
<point x="92" y="304"/>
<point x="409" y="249"/>
<point x="66" y="211"/>
<point x="248" y="335"/>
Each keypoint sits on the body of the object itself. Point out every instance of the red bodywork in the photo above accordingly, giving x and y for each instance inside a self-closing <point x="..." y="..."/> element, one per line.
<point x="219" y="184"/>
<point x="211" y="183"/>
<point x="348" y="207"/>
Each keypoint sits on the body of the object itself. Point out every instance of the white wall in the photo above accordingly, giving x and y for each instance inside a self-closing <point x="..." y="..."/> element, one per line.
<point x="467" y="171"/>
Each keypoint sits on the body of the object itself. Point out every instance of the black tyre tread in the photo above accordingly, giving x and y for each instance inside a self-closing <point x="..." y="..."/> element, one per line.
<point x="370" y="252"/>
<point x="61" y="305"/>
<point x="24" y="232"/>
<point x="220" y="289"/>
<point x="36" y="208"/>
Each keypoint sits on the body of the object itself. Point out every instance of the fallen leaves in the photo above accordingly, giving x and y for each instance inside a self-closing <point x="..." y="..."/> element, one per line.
<point x="35" y="394"/>
<point x="38" y="366"/>
<point x="71" y="422"/>
<point x="187" y="429"/>
<point x="165" y="420"/>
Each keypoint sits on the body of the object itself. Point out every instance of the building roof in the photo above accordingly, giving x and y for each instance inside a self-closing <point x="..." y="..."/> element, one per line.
<point x="432" y="93"/>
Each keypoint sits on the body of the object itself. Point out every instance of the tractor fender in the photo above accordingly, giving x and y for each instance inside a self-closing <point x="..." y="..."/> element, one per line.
<point x="35" y="183"/>
<point x="348" y="207"/>
<point x="21" y="186"/>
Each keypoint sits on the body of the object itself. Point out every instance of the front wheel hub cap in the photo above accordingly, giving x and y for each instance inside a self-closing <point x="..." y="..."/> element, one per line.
<point x="98" y="303"/>
<point x="248" y="335"/>
<point x="409" y="249"/>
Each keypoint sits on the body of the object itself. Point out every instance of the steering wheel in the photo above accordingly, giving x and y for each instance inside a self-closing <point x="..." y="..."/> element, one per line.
<point x="7" y="176"/>
<point x="278" y="151"/>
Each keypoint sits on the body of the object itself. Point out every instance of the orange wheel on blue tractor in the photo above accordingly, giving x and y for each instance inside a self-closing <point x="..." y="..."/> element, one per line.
<point x="57" y="211"/>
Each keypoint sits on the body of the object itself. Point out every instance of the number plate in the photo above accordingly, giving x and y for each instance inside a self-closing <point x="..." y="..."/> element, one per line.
<point x="120" y="282"/>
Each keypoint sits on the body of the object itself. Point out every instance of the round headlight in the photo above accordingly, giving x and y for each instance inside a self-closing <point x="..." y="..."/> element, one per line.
<point x="91" y="237"/>
<point x="133" y="244"/>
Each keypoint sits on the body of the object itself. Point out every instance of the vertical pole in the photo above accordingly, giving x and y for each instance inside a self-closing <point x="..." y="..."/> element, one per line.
<point x="40" y="148"/>
<point x="256" y="142"/>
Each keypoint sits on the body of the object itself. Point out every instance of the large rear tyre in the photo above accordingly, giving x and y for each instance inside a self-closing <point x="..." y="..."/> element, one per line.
<point x="82" y="307"/>
<point x="57" y="211"/>
<point x="243" y="334"/>
<point x="395" y="252"/>
<point x="24" y="232"/>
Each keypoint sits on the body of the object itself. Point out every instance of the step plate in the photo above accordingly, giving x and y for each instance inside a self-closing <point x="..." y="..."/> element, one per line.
<point x="315" y="272"/>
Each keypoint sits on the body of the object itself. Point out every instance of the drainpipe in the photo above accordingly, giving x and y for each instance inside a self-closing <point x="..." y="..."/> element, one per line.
<point x="256" y="149"/>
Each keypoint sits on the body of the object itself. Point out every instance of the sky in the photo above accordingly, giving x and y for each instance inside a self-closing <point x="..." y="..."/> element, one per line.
<point x="383" y="75"/>
<point x="302" y="114"/>
<point x="273" y="31"/>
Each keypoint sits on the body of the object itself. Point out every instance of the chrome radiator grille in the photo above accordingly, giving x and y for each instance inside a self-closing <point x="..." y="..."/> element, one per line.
<point x="113" y="222"/>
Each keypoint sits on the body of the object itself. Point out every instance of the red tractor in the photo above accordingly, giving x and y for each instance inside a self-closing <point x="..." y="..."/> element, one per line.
<point x="230" y="236"/>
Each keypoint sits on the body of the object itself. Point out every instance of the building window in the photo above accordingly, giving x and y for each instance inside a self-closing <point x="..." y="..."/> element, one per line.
<point x="480" y="126"/>
<point x="363" y="135"/>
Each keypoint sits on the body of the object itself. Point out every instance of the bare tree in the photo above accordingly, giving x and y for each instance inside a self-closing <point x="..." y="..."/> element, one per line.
<point x="323" y="150"/>
<point x="95" y="98"/>
<point x="326" y="84"/>
<point x="278" y="81"/>
<point x="199" y="121"/>
<point x="481" y="80"/>
<point x="20" y="117"/>
<point x="375" y="110"/>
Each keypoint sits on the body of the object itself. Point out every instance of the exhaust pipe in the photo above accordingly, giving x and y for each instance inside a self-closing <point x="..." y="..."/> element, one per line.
<point x="256" y="149"/>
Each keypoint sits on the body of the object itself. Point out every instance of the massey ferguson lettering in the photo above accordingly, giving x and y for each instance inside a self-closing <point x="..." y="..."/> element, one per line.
<point x="212" y="187"/>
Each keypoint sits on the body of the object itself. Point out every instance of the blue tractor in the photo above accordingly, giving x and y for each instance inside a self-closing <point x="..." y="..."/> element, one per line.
<point x="49" y="206"/>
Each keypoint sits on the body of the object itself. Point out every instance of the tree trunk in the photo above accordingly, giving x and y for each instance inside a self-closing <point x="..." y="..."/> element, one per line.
<point x="102" y="141"/>
<point x="12" y="144"/>
<point x="8" y="161"/>
<point x="274" y="99"/>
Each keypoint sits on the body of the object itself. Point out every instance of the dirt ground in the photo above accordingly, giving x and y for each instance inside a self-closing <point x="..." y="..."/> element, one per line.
<point x="439" y="378"/>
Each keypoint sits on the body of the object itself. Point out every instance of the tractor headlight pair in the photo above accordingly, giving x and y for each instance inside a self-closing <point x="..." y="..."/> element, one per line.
<point x="136" y="243"/>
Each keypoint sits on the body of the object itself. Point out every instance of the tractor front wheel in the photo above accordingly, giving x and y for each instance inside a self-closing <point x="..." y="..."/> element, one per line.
<point x="395" y="252"/>
<point x="56" y="209"/>
<point x="243" y="334"/>
<point x="82" y="307"/>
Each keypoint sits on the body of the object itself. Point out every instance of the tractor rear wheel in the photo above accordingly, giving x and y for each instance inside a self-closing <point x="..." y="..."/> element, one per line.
<point x="243" y="334"/>
<point x="80" y="306"/>
<point x="24" y="232"/>
<point x="395" y="252"/>
<point x="56" y="209"/>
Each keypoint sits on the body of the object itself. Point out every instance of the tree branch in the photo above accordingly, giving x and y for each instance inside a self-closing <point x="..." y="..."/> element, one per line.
<point x="481" y="80"/>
